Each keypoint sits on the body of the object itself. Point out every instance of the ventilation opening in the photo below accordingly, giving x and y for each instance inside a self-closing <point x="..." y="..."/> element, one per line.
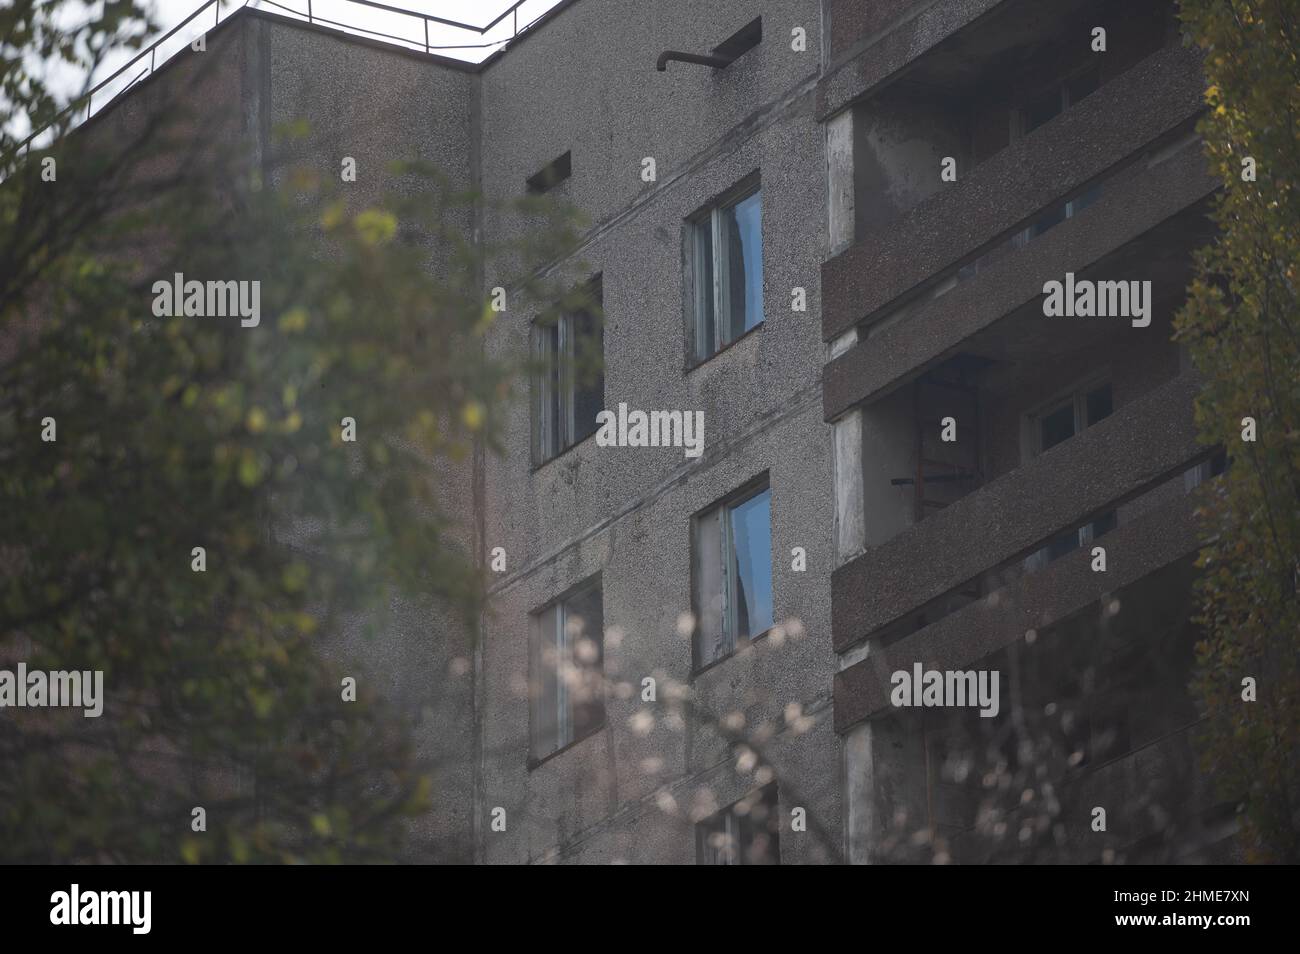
<point x="550" y="175"/>
<point x="740" y="42"/>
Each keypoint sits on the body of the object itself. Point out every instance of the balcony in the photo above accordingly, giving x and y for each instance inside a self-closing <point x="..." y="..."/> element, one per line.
<point x="1037" y="601"/>
<point x="1144" y="442"/>
<point x="1152" y="102"/>
<point x="1093" y="710"/>
<point x="873" y="42"/>
<point x="1144" y="225"/>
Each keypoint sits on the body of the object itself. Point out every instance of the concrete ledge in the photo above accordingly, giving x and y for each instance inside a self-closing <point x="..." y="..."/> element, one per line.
<point x="1136" y="108"/>
<point x="1035" y="601"/>
<point x="871" y="60"/>
<point x="1135" y="207"/>
<point x="1138" y="446"/>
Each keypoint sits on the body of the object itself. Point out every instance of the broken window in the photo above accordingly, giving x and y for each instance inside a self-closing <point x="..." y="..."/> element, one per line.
<point x="733" y="574"/>
<point x="726" y="251"/>
<point x="567" y="668"/>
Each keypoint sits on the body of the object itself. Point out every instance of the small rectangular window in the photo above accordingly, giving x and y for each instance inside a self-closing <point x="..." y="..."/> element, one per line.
<point x="746" y="833"/>
<point x="732" y="574"/>
<point x="550" y="175"/>
<point x="727" y="263"/>
<point x="1056" y="99"/>
<point x="1035" y="113"/>
<point x="569" y="385"/>
<point x="567" y="654"/>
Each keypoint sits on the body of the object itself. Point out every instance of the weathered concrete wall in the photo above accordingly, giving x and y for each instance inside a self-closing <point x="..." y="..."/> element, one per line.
<point x="854" y="22"/>
<point x="629" y="791"/>
<point x="380" y="105"/>
<point x="900" y="142"/>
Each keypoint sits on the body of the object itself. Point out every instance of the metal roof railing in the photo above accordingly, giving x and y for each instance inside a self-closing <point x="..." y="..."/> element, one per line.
<point x="136" y="69"/>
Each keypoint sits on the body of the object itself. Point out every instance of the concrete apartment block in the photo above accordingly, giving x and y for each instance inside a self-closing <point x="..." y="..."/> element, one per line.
<point x="923" y="303"/>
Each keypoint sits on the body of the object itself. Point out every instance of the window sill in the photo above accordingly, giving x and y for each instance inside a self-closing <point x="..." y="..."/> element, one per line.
<point x="692" y="364"/>
<point x="537" y="761"/>
<point x="564" y="453"/>
<point x="740" y="647"/>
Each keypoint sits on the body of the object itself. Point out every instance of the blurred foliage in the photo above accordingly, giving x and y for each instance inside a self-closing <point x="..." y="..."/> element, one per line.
<point x="1242" y="326"/>
<point x="183" y="432"/>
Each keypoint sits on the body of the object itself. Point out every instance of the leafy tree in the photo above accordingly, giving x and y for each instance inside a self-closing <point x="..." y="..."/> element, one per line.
<point x="222" y="678"/>
<point x="1242" y="325"/>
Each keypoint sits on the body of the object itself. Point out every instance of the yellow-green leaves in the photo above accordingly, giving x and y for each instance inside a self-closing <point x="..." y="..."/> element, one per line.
<point x="376" y="226"/>
<point x="295" y="319"/>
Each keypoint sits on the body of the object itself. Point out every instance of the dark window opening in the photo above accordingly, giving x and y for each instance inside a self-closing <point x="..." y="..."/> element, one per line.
<point x="567" y="651"/>
<point x="741" y="42"/>
<point x="1057" y="99"/>
<point x="550" y="175"/>
<point x="1057" y="425"/>
<point x="569" y="386"/>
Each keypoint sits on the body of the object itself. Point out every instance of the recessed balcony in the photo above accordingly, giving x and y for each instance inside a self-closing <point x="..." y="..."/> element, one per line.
<point x="1076" y="481"/>
<point x="1116" y="125"/>
<point x="1144" y="226"/>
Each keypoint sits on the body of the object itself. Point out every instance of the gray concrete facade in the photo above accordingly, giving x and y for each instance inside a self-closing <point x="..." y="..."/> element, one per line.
<point x="841" y="114"/>
<point x="634" y="790"/>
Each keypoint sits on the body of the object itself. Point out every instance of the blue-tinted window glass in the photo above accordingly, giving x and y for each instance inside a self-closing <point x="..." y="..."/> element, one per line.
<point x="742" y="231"/>
<point x="751" y="536"/>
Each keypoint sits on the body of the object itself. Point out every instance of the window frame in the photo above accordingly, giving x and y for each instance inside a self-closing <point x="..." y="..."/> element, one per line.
<point x="705" y="304"/>
<point x="725" y="505"/>
<point x="1071" y="207"/>
<point x="731" y="823"/>
<point x="1075" y="396"/>
<point x="564" y="708"/>
<point x="552" y="438"/>
<point x="1061" y="87"/>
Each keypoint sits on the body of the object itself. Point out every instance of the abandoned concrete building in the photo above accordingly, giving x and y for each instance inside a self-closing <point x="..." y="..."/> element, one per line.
<point x="825" y="227"/>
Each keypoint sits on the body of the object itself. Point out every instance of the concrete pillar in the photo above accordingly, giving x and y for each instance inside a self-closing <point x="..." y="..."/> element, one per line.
<point x="839" y="181"/>
<point x="850" y="525"/>
<point x="859" y="796"/>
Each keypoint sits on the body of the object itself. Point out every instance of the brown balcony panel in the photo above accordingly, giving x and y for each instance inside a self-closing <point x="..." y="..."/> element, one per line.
<point x="1146" y="205"/>
<point x="1137" y="108"/>
<point x="1037" y="600"/>
<point x="1114" y="460"/>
